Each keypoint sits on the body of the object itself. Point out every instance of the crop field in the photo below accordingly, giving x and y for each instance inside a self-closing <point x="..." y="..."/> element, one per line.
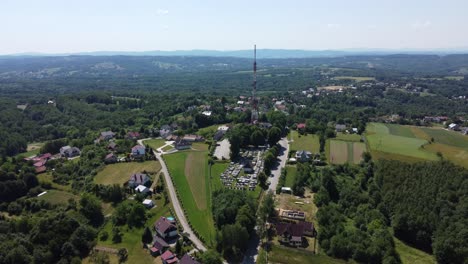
<point x="189" y="170"/>
<point x="57" y="197"/>
<point x="301" y="142"/>
<point x="348" y="137"/>
<point x="341" y="151"/>
<point x="410" y="143"/>
<point x="119" y="173"/>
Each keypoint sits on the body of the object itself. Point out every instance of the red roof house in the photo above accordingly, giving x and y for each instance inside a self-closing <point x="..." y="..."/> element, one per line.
<point x="168" y="257"/>
<point x="301" y="126"/>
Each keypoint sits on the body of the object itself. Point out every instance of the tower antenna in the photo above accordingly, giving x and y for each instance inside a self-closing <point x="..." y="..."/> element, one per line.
<point x="254" y="118"/>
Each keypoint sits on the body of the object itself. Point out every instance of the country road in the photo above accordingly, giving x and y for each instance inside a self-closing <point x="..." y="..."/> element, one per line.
<point x="283" y="157"/>
<point x="176" y="204"/>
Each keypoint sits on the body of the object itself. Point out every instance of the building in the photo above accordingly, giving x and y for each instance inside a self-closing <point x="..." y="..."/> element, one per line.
<point x="139" y="179"/>
<point x="193" y="138"/>
<point x="303" y="155"/>
<point x="165" y="228"/>
<point x="206" y="113"/>
<point x="165" y="131"/>
<point x="132" y="135"/>
<point x="110" y="158"/>
<point x="454" y="126"/>
<point x="169" y="258"/>
<point x="159" y="246"/>
<point x="112" y="146"/>
<point x="69" y="152"/>
<point x="292" y="214"/>
<point x="219" y="135"/>
<point x="107" y="135"/>
<point x="293" y="234"/>
<point x="181" y="144"/>
<point x="138" y="151"/>
<point x="142" y="189"/>
<point x="340" y="128"/>
<point x="286" y="190"/>
<point x="301" y="126"/>
<point x="148" y="203"/>
<point x="186" y="259"/>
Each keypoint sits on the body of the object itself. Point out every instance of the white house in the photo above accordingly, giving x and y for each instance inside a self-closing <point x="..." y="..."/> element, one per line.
<point x="142" y="189"/>
<point x="148" y="203"/>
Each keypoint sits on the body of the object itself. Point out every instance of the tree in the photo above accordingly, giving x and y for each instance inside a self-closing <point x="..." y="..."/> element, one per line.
<point x="137" y="215"/>
<point x="178" y="247"/>
<point x="211" y="257"/>
<point x="274" y="135"/>
<point x="257" y="138"/>
<point x="116" y="235"/>
<point x="262" y="179"/>
<point x="235" y="142"/>
<point x="147" y="236"/>
<point x="91" y="209"/>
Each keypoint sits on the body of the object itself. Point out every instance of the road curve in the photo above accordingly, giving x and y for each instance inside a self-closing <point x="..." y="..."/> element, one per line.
<point x="176" y="204"/>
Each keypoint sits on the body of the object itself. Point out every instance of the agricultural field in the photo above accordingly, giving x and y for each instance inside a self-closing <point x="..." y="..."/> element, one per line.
<point x="286" y="255"/>
<point x="57" y="197"/>
<point x="341" y="151"/>
<point x="348" y="137"/>
<point x="300" y="142"/>
<point x="356" y="79"/>
<point x="190" y="172"/>
<point x="411" y="143"/>
<point x="119" y="173"/>
<point x="155" y="143"/>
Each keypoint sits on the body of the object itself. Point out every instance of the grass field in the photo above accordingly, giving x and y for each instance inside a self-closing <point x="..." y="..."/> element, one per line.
<point x="410" y="255"/>
<point x="48" y="178"/>
<point x="290" y="175"/>
<point x="190" y="174"/>
<point x="356" y="79"/>
<point x="216" y="170"/>
<point x="348" y="137"/>
<point x="119" y="173"/>
<point x="301" y="142"/>
<point x="284" y="255"/>
<point x="412" y="144"/>
<point x="57" y="197"/>
<point x="341" y="151"/>
<point x="131" y="239"/>
<point x="155" y="143"/>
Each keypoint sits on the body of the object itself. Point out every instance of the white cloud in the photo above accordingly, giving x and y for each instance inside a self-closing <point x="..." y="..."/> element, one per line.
<point x="331" y="25"/>
<point x="162" y="12"/>
<point x="421" y="24"/>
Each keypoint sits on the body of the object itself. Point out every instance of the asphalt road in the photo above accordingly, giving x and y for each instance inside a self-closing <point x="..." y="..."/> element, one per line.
<point x="283" y="158"/>
<point x="176" y="204"/>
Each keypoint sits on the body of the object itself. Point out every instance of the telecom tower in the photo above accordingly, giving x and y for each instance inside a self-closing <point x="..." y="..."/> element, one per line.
<point x="254" y="117"/>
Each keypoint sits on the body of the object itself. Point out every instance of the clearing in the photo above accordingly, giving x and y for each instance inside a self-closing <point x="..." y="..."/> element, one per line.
<point x="189" y="171"/>
<point x="290" y="175"/>
<point x="57" y="197"/>
<point x="307" y="142"/>
<point x="119" y="173"/>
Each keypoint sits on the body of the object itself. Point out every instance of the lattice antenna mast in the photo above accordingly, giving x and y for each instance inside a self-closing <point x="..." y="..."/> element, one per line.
<point x="254" y="91"/>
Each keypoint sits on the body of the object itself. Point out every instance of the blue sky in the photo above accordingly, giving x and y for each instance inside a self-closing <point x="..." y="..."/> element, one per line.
<point x="137" y="25"/>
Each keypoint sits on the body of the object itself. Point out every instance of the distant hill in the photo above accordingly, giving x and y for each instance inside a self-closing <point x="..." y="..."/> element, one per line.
<point x="261" y="53"/>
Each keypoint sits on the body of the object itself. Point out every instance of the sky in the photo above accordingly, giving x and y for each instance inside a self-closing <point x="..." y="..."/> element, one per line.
<point x="62" y="26"/>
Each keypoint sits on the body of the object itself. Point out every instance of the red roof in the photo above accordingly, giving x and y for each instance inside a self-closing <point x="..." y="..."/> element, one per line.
<point x="301" y="126"/>
<point x="186" y="259"/>
<point x="41" y="169"/>
<point x="167" y="255"/>
<point x="40" y="163"/>
<point x="163" y="225"/>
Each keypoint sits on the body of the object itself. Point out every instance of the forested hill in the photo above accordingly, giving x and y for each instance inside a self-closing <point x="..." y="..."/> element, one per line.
<point x="134" y="66"/>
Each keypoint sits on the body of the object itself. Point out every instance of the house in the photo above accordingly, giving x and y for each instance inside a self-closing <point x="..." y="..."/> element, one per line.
<point x="303" y="155"/>
<point x="148" y="203"/>
<point x="340" y="127"/>
<point x="172" y="138"/>
<point x="41" y="169"/>
<point x="292" y="214"/>
<point x="69" y="152"/>
<point x="186" y="259"/>
<point x="165" y="228"/>
<point x="132" y="135"/>
<point x="112" y="146"/>
<point x="301" y="126"/>
<point x="110" y="158"/>
<point x="193" y="138"/>
<point x="206" y="113"/>
<point x="181" y="144"/>
<point x="138" y="179"/>
<point x="142" y="189"/>
<point x="454" y="126"/>
<point x="40" y="163"/>
<point x="138" y="151"/>
<point x="169" y="258"/>
<point x="165" y="131"/>
<point x="355" y="130"/>
<point x="293" y="233"/>
<point x="107" y="135"/>
<point x="159" y="246"/>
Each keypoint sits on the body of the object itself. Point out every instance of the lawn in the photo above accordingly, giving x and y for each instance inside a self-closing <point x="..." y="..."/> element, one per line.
<point x="348" y="137"/>
<point x="301" y="142"/>
<point x="189" y="171"/>
<point x="410" y="255"/>
<point x="48" y="178"/>
<point x="446" y="137"/>
<point x="131" y="239"/>
<point x="119" y="173"/>
<point x="57" y="197"/>
<point x="285" y="255"/>
<point x="216" y="170"/>
<point x="155" y="143"/>
<point x="290" y="175"/>
<point x="398" y="130"/>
